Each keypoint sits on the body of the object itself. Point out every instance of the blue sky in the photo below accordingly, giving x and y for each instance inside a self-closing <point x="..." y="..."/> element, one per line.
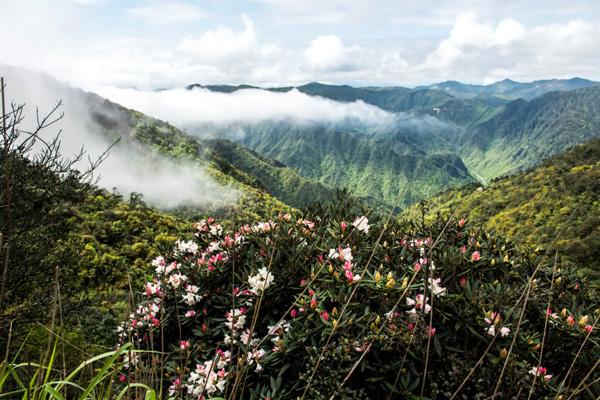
<point x="155" y="44"/>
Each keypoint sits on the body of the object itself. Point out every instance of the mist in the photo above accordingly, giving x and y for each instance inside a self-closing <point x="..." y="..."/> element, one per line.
<point x="183" y="107"/>
<point x="129" y="167"/>
<point x="207" y="114"/>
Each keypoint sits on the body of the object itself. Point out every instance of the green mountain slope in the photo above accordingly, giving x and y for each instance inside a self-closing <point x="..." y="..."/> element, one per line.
<point x="511" y="89"/>
<point x="490" y="134"/>
<point x="531" y="207"/>
<point x="525" y="132"/>
<point x="374" y="168"/>
<point x="272" y="176"/>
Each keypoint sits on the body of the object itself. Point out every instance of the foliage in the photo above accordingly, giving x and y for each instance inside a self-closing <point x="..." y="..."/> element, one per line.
<point x="331" y="303"/>
<point x="531" y="207"/>
<point x="376" y="166"/>
<point x="526" y="132"/>
<point x="36" y="381"/>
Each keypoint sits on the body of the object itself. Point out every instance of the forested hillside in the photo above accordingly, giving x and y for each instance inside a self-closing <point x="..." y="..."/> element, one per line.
<point x="558" y="198"/>
<point x="526" y="132"/>
<point x="438" y="139"/>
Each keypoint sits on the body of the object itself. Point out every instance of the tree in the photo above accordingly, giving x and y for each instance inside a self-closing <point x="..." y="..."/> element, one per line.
<point x="37" y="188"/>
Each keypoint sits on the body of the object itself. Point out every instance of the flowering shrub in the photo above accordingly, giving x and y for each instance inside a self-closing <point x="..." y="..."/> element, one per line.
<point x="336" y="302"/>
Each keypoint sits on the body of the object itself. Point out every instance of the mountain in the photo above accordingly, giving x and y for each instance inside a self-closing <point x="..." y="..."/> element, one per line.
<point x="510" y="89"/>
<point x="373" y="164"/>
<point x="525" y="132"/>
<point x="440" y="136"/>
<point x="260" y="182"/>
<point x="531" y="207"/>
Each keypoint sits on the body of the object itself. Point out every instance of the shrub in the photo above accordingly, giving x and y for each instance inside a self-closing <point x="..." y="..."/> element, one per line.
<point x="331" y="302"/>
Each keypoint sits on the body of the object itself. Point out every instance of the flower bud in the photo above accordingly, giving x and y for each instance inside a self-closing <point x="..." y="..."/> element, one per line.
<point x="377" y="276"/>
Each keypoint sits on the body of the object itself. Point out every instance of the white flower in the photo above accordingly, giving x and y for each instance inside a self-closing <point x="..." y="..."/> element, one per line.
<point x="436" y="289"/>
<point x="504" y="331"/>
<point x="255" y="356"/>
<point x="346" y="254"/>
<point x="491" y="330"/>
<point x="171" y="267"/>
<point x="177" y="279"/>
<point x="361" y="224"/>
<point x="420" y="302"/>
<point x="216" y="229"/>
<point x="261" y="281"/>
<point x="191" y="298"/>
<point x="184" y="247"/>
<point x="159" y="264"/>
<point x="213" y="246"/>
<point x="235" y="319"/>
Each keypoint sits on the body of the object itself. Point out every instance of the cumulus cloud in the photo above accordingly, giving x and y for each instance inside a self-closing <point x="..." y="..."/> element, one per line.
<point x="329" y="53"/>
<point x="222" y="44"/>
<point x="285" y="43"/>
<point x="183" y="107"/>
<point x="167" y="13"/>
<point x="476" y="48"/>
<point x="129" y="167"/>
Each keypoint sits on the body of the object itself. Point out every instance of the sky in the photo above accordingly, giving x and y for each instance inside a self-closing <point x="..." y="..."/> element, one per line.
<point x="148" y="44"/>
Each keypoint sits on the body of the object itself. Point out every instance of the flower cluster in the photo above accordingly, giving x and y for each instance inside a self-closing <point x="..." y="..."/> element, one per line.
<point x="261" y="281"/>
<point x="260" y="303"/>
<point x="493" y="321"/>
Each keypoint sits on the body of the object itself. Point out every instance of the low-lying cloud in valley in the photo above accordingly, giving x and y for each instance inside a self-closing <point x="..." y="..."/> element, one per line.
<point x="130" y="167"/>
<point x="183" y="107"/>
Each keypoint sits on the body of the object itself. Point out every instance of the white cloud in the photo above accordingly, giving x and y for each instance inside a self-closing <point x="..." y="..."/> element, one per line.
<point x="477" y="50"/>
<point x="221" y="45"/>
<point x="167" y="13"/>
<point x="129" y="166"/>
<point x="286" y="42"/>
<point x="183" y="107"/>
<point x="328" y="53"/>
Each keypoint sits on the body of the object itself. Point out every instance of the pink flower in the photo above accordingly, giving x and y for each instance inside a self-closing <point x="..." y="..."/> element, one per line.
<point x="540" y="371"/>
<point x="410" y="326"/>
<point x="475" y="256"/>
<point x="588" y="328"/>
<point x="347" y="265"/>
<point x="184" y="344"/>
<point x="349" y="276"/>
<point x="463" y="250"/>
<point x="417" y="267"/>
<point x="570" y="320"/>
<point x="122" y="378"/>
<point x="325" y="315"/>
<point x="294" y="313"/>
<point x="431" y="332"/>
<point x="190" y="313"/>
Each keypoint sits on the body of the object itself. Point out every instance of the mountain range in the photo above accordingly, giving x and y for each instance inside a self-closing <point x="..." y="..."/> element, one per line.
<point x="436" y="137"/>
<point x="440" y="138"/>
